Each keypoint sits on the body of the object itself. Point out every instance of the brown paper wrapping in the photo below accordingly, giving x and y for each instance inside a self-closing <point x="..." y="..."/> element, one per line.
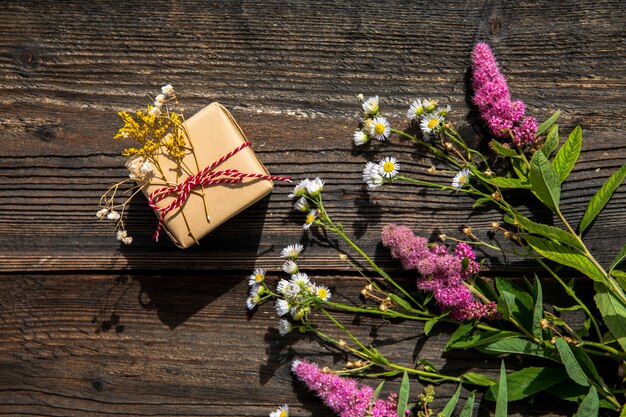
<point x="213" y="132"/>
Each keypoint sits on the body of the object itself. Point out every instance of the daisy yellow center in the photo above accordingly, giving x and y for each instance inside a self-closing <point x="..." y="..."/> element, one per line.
<point x="310" y="218"/>
<point x="419" y="111"/>
<point x="462" y="179"/>
<point x="283" y="413"/>
<point x="379" y="128"/>
<point x="322" y="293"/>
<point x="432" y="123"/>
<point x="389" y="166"/>
<point x="258" y="277"/>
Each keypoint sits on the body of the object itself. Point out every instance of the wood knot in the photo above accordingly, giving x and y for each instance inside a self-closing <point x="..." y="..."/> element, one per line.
<point x="495" y="25"/>
<point x="97" y="384"/>
<point x="27" y="57"/>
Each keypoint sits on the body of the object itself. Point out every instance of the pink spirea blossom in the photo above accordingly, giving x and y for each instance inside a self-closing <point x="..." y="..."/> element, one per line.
<point x="504" y="118"/>
<point x="344" y="395"/>
<point x="441" y="272"/>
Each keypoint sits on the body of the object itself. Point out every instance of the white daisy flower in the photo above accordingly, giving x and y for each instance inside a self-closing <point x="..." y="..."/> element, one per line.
<point x="429" y="105"/>
<point x="299" y="189"/>
<point x="360" y="138"/>
<point x="101" y="214"/>
<point x="292" y="291"/>
<point x="443" y="111"/>
<point x="430" y="124"/>
<point x="310" y="219"/>
<point x="155" y="111"/>
<point x="281" y="287"/>
<point x="290" y="267"/>
<point x="416" y="109"/>
<point x="370" y="106"/>
<point x="315" y="187"/>
<point x="322" y="292"/>
<point x="252" y="301"/>
<point x="113" y="215"/>
<point x="167" y="90"/>
<point x="300" y="279"/>
<point x="257" y="276"/>
<point x="372" y="176"/>
<point x="284" y="327"/>
<point x="292" y="251"/>
<point x="388" y="167"/>
<point x="380" y="129"/>
<point x="461" y="178"/>
<point x="367" y="171"/>
<point x="302" y="205"/>
<point x="282" y="307"/>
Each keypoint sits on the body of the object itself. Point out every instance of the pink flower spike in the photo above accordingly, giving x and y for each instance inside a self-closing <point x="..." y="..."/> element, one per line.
<point x="505" y="119"/>
<point x="343" y="395"/>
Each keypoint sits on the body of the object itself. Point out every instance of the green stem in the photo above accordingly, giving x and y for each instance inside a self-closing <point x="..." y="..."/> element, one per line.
<point x="339" y="230"/>
<point x="375" y="311"/>
<point x="434" y="150"/>
<point x="571" y="293"/>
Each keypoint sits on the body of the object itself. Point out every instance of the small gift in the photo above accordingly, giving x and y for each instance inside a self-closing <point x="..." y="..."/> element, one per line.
<point x="196" y="174"/>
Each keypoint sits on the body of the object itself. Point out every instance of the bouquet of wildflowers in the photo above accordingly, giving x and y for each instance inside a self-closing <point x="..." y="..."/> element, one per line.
<point x="493" y="316"/>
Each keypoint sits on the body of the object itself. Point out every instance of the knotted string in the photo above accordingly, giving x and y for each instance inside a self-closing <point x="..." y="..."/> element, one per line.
<point x="203" y="178"/>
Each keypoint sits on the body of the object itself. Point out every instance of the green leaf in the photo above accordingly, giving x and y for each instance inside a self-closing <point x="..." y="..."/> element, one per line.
<point x="590" y="406"/>
<point x="428" y="366"/>
<point x="576" y="393"/>
<point x="468" y="409"/>
<point x="403" y="395"/>
<point x="480" y="201"/>
<point x="543" y="127"/>
<point x="475" y="378"/>
<point x="537" y="309"/>
<point x="461" y="332"/>
<point x="620" y="276"/>
<point x="377" y="390"/>
<point x="599" y="200"/>
<point x="621" y="255"/>
<point x="451" y="405"/>
<point x="482" y="338"/>
<point x="573" y="368"/>
<point x="516" y="346"/>
<point x="428" y="326"/>
<point x="551" y="142"/>
<point x="502" y="402"/>
<point x="520" y="168"/>
<point x="505" y="285"/>
<point x="514" y="302"/>
<point x="565" y="256"/>
<point x="544" y="230"/>
<point x="528" y="381"/>
<point x="545" y="181"/>
<point x="502" y="182"/>
<point x="400" y="301"/>
<point x="485" y="288"/>
<point x="503" y="150"/>
<point x="567" y="156"/>
<point x="613" y="313"/>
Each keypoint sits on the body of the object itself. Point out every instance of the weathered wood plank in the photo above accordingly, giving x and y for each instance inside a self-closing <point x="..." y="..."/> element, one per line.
<point x="289" y="74"/>
<point x="99" y="345"/>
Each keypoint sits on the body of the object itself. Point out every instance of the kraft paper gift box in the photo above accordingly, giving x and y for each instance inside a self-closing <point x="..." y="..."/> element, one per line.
<point x="214" y="133"/>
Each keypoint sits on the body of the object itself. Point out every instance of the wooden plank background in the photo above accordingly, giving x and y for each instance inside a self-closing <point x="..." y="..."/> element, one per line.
<point x="91" y="328"/>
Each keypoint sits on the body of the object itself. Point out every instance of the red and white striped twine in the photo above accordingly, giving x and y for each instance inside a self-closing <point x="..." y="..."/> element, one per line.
<point x="202" y="178"/>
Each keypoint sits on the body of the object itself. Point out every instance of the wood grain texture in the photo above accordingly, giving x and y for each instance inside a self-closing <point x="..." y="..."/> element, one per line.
<point x="162" y="345"/>
<point x="170" y="336"/>
<point x="289" y="74"/>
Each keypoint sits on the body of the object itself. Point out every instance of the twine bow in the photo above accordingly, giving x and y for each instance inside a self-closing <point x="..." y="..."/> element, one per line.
<point x="205" y="177"/>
